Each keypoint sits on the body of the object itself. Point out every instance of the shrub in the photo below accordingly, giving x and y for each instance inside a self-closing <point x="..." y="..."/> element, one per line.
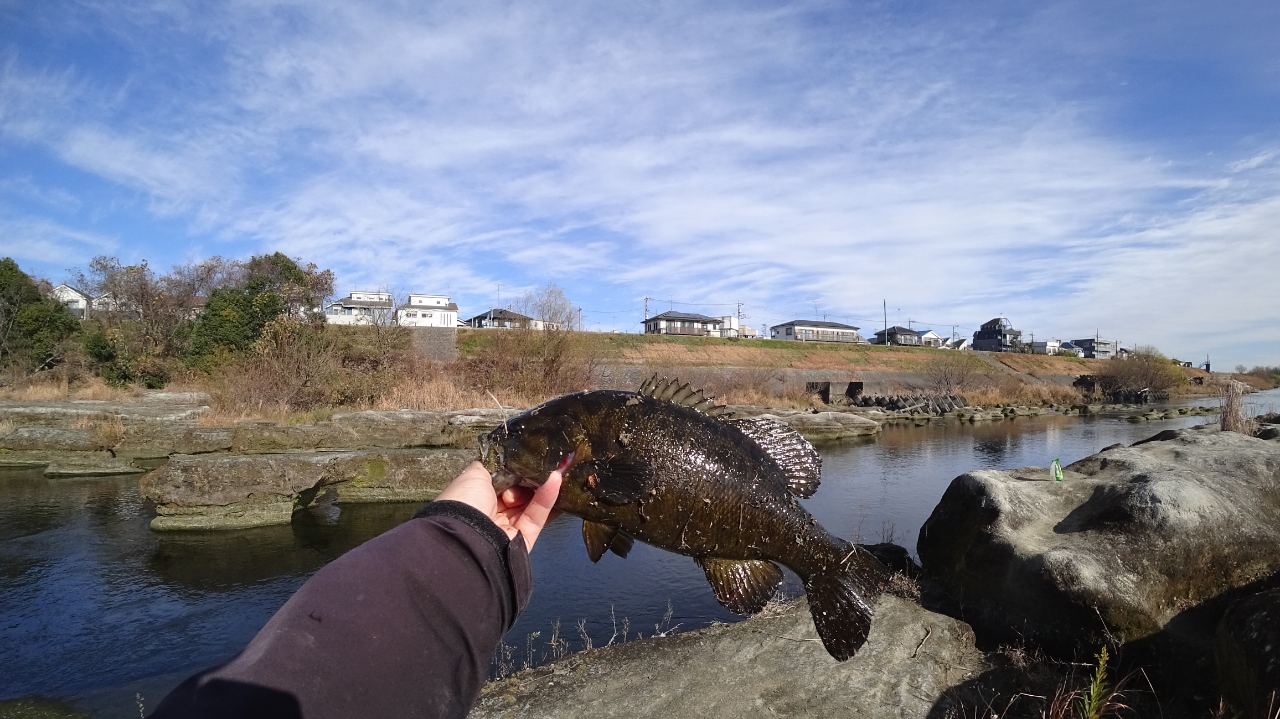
<point x="32" y="327"/>
<point x="1145" y="369"/>
<point x="951" y="372"/>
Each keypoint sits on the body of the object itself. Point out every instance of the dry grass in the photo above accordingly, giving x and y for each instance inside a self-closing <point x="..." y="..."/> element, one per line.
<point x="1236" y="416"/>
<point x="7" y="427"/>
<point x="1011" y="391"/>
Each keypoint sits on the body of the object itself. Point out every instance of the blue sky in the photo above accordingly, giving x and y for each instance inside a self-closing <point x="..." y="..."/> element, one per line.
<point x="1076" y="167"/>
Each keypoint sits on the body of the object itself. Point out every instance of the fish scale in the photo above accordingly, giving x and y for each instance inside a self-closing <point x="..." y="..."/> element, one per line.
<point x="679" y="475"/>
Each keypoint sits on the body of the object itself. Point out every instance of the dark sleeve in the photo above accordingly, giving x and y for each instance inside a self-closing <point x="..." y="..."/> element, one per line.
<point x="405" y="625"/>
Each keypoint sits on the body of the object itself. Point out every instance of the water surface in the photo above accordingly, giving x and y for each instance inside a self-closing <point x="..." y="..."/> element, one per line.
<point x="97" y="608"/>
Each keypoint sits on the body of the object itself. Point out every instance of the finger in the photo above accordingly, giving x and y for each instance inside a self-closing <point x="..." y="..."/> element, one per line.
<point x="516" y="496"/>
<point x="539" y="510"/>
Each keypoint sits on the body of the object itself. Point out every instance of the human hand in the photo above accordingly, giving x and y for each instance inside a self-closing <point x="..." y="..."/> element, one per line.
<point x="518" y="509"/>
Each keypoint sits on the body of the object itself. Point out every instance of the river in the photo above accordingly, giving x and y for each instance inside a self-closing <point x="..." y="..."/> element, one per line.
<point x="98" y="610"/>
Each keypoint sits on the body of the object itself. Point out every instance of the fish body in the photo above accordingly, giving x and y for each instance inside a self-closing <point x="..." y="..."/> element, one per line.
<point x="655" y="466"/>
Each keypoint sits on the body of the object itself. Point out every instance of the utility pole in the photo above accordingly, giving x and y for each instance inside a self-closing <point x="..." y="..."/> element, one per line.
<point x="580" y="319"/>
<point x="646" y="306"/>
<point x="886" y="321"/>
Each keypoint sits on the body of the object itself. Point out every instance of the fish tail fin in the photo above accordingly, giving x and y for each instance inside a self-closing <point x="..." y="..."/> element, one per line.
<point x="842" y="594"/>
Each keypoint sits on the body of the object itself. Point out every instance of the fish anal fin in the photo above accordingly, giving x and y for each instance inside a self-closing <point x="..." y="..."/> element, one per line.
<point x="598" y="538"/>
<point x="616" y="480"/>
<point x="743" y="586"/>
<point x="799" y="461"/>
<point x="621" y="544"/>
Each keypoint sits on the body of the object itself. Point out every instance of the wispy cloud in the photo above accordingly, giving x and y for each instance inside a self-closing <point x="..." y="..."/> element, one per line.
<point x="962" y="164"/>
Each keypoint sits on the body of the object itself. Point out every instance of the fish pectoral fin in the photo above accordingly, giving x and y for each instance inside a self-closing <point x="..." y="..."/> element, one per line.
<point x="621" y="544"/>
<point x="799" y="461"/>
<point x="599" y="538"/>
<point x="743" y="586"/>
<point x="617" y="480"/>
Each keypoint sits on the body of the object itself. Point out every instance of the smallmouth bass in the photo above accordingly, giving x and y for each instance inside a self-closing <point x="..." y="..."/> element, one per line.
<point x="663" y="465"/>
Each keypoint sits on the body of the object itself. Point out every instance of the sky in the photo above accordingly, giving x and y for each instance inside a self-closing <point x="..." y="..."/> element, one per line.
<point x="1079" y="168"/>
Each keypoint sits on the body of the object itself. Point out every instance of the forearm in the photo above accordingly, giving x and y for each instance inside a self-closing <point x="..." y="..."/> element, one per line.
<point x="402" y="626"/>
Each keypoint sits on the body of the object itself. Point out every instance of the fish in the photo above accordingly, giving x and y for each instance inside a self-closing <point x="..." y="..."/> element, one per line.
<point x="668" y="466"/>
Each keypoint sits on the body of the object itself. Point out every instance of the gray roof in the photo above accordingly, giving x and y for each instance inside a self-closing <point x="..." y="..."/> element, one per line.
<point x="451" y="306"/>
<point x="820" y="324"/>
<point x="348" y="302"/>
<point x="898" y="330"/>
<point x="683" y="316"/>
<point x="498" y="313"/>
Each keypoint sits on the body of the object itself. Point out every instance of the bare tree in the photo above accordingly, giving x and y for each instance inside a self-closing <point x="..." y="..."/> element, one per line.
<point x="949" y="372"/>
<point x="549" y="305"/>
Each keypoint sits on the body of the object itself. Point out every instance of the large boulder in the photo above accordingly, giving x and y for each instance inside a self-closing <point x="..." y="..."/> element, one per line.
<point x="237" y="491"/>
<point x="1132" y="538"/>
<point x="1247" y="649"/>
<point x="766" y="666"/>
<point x="368" y="429"/>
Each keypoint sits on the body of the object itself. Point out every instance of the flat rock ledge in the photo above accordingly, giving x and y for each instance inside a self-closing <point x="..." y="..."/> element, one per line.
<point x="814" y="426"/>
<point x="254" y="490"/>
<point x="1133" y="539"/>
<point x="765" y="666"/>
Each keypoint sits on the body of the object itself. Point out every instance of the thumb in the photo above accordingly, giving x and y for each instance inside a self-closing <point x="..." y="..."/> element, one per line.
<point x="540" y="510"/>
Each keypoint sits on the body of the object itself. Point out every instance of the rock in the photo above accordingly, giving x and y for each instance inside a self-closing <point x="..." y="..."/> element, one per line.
<point x="1140" y="533"/>
<point x="828" y="425"/>
<point x="1271" y="432"/>
<point x="1247" y="650"/>
<point x="357" y="430"/>
<point x="235" y="491"/>
<point x="69" y="464"/>
<point x="56" y="438"/>
<point x="162" y="440"/>
<point x="765" y="666"/>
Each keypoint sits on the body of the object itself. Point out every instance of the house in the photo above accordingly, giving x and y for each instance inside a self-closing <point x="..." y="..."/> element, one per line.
<point x="929" y="338"/>
<point x="1048" y="347"/>
<point x="957" y="343"/>
<point x="897" y="335"/>
<point x="1070" y="347"/>
<point x="683" y="323"/>
<point x="997" y="335"/>
<point x="816" y="331"/>
<point x="1095" y="348"/>
<point x="80" y="303"/>
<point x="427" y="311"/>
<point x="500" y="319"/>
<point x="361" y="308"/>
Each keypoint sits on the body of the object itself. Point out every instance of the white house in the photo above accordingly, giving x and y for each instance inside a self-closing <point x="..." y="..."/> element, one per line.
<point x="80" y="303"/>
<point x="1048" y="347"/>
<point x="427" y="311"/>
<point x="1071" y="347"/>
<point x="929" y="338"/>
<point x="360" y="308"/>
<point x="816" y="331"/>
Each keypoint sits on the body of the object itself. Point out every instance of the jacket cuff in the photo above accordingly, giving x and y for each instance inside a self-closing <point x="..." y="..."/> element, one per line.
<point x="511" y="552"/>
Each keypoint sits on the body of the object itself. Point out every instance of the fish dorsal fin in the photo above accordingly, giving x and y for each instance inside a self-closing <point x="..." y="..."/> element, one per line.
<point x="799" y="461"/>
<point x="601" y="537"/>
<point x="742" y="586"/>
<point x="671" y="390"/>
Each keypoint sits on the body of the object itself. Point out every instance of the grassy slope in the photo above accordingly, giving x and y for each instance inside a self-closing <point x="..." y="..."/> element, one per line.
<point x="675" y="351"/>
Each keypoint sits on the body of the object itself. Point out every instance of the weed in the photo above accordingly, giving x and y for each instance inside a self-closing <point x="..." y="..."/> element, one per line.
<point x="900" y="585"/>
<point x="583" y="635"/>
<point x="1235" y="417"/>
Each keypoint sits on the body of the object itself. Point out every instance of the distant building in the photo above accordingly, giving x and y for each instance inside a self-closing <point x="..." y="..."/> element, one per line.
<point x="80" y="303"/>
<point x="500" y="319"/>
<point x="957" y="343"/>
<point x="683" y="323"/>
<point x="361" y="308"/>
<point x="1070" y="347"/>
<point x="997" y="335"/>
<point x="816" y="331"/>
<point x="1048" y="347"/>
<point x="929" y="338"/>
<point x="897" y="335"/>
<point x="1097" y="348"/>
<point x="427" y="311"/>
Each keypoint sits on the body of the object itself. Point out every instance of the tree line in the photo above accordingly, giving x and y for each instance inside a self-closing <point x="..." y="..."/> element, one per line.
<point x="144" y="325"/>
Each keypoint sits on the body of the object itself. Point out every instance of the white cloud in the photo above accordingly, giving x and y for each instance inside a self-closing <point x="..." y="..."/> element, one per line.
<point x="767" y="154"/>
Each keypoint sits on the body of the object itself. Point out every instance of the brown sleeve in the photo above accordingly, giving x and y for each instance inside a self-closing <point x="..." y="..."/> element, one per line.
<point x="405" y="625"/>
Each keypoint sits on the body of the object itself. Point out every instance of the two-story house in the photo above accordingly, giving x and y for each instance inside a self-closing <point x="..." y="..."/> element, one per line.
<point x="427" y="311"/>
<point x="361" y="308"/>
<point x="683" y="323"/>
<point x="897" y="335"/>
